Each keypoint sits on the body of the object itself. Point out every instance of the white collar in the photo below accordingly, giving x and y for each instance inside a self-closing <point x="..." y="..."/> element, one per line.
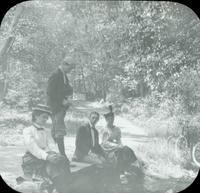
<point x="38" y="126"/>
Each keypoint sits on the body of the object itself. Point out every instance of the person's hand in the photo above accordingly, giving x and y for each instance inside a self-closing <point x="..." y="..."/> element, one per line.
<point x="53" y="158"/>
<point x="137" y="169"/>
<point x="56" y="158"/>
<point x="120" y="145"/>
<point x="66" y="102"/>
<point x="103" y="160"/>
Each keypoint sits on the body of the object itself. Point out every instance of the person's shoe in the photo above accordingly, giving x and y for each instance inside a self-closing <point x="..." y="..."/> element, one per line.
<point x="127" y="173"/>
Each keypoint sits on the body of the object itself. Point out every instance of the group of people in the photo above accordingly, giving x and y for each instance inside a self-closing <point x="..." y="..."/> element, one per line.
<point x="40" y="160"/>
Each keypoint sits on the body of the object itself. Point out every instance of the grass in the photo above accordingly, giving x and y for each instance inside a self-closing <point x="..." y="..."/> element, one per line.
<point x="156" y="126"/>
<point x="163" y="162"/>
<point x="158" y="120"/>
<point x="160" y="123"/>
<point x="73" y="120"/>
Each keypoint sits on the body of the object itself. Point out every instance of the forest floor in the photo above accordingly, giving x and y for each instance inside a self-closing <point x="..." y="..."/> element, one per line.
<point x="164" y="171"/>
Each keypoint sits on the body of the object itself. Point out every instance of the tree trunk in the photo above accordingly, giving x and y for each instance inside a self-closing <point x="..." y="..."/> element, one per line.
<point x="104" y="90"/>
<point x="103" y="82"/>
<point x="141" y="89"/>
<point x="95" y="84"/>
<point x="5" y="48"/>
<point x="83" y="79"/>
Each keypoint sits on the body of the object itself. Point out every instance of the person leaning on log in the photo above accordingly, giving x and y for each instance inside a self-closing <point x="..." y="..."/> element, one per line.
<point x="87" y="143"/>
<point x="58" y="92"/>
<point x="39" y="161"/>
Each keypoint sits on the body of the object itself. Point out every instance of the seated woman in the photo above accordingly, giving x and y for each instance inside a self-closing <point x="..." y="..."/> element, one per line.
<point x="111" y="138"/>
<point x="122" y="156"/>
<point x="39" y="160"/>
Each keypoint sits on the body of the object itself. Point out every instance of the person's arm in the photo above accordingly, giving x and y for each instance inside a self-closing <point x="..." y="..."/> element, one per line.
<point x="105" y="141"/>
<point x="68" y="88"/>
<point x="109" y="144"/>
<point x="118" y="138"/>
<point x="31" y="145"/>
<point x="48" y="149"/>
<point x="50" y="143"/>
<point x="79" y="138"/>
<point x="68" y="93"/>
<point x="67" y="103"/>
<point x="53" y="91"/>
<point x="98" y="149"/>
<point x="105" y="137"/>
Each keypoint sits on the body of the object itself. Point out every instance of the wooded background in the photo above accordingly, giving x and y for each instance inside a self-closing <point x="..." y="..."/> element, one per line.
<point x="143" y="54"/>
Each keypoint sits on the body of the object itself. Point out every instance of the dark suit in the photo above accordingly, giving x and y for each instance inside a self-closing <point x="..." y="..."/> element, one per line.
<point x="57" y="90"/>
<point x="84" y="142"/>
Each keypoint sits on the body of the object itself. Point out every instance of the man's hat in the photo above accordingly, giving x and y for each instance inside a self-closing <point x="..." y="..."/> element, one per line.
<point x="42" y="108"/>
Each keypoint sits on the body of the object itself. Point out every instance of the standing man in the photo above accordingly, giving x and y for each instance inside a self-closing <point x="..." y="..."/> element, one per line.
<point x="58" y="92"/>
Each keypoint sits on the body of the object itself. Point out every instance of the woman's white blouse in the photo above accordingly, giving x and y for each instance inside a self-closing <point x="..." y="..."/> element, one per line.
<point x="36" y="142"/>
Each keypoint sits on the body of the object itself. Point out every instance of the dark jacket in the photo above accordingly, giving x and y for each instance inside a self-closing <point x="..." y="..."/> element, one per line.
<point x="57" y="90"/>
<point x="84" y="142"/>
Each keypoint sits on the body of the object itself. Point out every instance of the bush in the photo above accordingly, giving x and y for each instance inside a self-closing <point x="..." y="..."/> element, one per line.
<point x="90" y="96"/>
<point x="125" y="108"/>
<point x="160" y="115"/>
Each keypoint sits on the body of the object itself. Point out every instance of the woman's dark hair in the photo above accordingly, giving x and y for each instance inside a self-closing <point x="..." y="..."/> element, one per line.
<point x="94" y="113"/>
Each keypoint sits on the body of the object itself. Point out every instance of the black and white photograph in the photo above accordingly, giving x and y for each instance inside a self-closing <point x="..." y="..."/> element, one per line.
<point x="99" y="97"/>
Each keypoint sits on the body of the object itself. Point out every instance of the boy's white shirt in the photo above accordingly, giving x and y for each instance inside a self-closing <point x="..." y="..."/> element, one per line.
<point x="37" y="142"/>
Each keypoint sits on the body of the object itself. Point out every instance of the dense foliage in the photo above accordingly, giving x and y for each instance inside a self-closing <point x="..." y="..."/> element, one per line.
<point x="142" y="53"/>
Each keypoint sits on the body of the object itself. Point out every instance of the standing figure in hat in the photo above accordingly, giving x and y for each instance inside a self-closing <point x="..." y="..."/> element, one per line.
<point x="39" y="162"/>
<point x="58" y="92"/>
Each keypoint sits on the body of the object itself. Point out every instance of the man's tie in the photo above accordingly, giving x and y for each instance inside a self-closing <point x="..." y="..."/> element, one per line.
<point x="93" y="137"/>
